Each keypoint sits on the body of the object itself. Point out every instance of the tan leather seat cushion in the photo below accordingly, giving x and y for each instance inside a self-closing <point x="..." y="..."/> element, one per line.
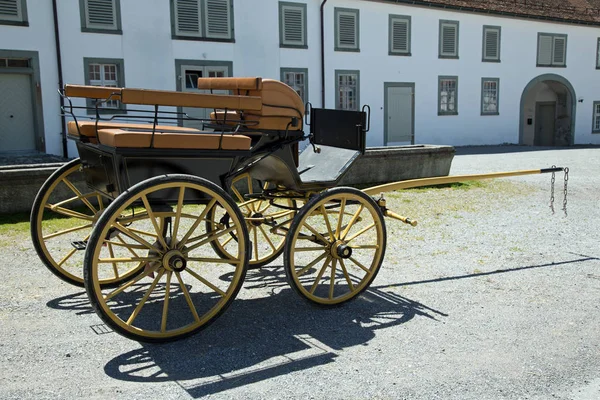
<point x="230" y="83"/>
<point x="166" y="140"/>
<point x="88" y="128"/>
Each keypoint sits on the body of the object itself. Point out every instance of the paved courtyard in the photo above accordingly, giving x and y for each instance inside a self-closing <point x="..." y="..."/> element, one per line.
<point x="491" y="296"/>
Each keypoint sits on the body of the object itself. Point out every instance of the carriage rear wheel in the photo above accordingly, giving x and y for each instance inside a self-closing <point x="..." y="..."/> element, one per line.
<point x="62" y="218"/>
<point x="265" y="243"/>
<point x="183" y="287"/>
<point x="335" y="246"/>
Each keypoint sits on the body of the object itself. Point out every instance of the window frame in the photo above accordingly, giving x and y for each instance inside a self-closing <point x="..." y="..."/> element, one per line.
<point x="598" y="54"/>
<point x="497" y="81"/>
<point x="339" y="72"/>
<point x="336" y="13"/>
<point x="120" y="63"/>
<point x="595" y="116"/>
<point x="83" y="12"/>
<point x="440" y="39"/>
<point x="391" y="51"/>
<point x="22" y="18"/>
<point x="202" y="37"/>
<point x="487" y="28"/>
<point x="439" y="105"/>
<point x="553" y="36"/>
<point x="285" y="70"/>
<point x="302" y="7"/>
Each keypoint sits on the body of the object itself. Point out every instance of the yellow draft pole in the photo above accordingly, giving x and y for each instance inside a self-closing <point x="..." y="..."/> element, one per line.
<point x="444" y="180"/>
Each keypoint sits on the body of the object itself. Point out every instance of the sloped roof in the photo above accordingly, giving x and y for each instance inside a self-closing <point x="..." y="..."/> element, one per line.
<point x="573" y="11"/>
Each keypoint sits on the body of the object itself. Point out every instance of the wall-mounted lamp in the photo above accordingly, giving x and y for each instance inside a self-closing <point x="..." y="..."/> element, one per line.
<point x="580" y="100"/>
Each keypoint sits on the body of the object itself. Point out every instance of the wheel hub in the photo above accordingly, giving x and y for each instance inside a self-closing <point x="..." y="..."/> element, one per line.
<point x="341" y="250"/>
<point x="256" y="223"/>
<point x="174" y="261"/>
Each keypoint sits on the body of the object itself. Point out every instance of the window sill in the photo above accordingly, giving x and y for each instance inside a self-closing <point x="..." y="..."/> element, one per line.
<point x="448" y="57"/>
<point x="551" y="66"/>
<point x="106" y="31"/>
<point x="409" y="54"/>
<point x="489" y="114"/>
<point x="490" y="61"/>
<point x="595" y="132"/>
<point x="292" y="46"/>
<point x="202" y="39"/>
<point x="14" y="23"/>
<point x="346" y="50"/>
<point x="444" y="114"/>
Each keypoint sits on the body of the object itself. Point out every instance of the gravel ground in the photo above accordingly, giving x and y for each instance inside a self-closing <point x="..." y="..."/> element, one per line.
<point x="490" y="297"/>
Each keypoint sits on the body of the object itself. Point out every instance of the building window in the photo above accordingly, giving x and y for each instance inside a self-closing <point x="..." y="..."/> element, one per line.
<point x="347" y="90"/>
<point x="490" y="96"/>
<point x="448" y="95"/>
<point x="552" y="50"/>
<point x="491" y="43"/>
<point x="202" y="20"/>
<point x="347" y="35"/>
<point x="399" y="35"/>
<point x="448" y="39"/>
<point x="107" y="72"/>
<point x="100" y="16"/>
<point x="598" y="54"/>
<point x="292" y="25"/>
<point x="297" y="79"/>
<point x="13" y="12"/>
<point x="596" y="124"/>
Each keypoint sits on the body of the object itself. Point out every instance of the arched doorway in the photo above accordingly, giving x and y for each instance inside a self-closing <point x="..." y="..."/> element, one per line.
<point x="548" y="106"/>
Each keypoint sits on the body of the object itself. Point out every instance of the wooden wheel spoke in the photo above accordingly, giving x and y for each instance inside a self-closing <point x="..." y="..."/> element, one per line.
<point x="314" y="231"/>
<point x="210" y="238"/>
<point x="75" y="229"/>
<point x="163" y="322"/>
<point x="100" y="202"/>
<point x="69" y="213"/>
<point x="70" y="254"/>
<point x="332" y="279"/>
<point x="214" y="260"/>
<point x="366" y="246"/>
<point x="137" y="310"/>
<point x="138" y="231"/>
<point x="130" y="247"/>
<point x="309" y="266"/>
<point x="248" y="205"/>
<point x="128" y="284"/>
<point x="130" y="233"/>
<point x="255" y="244"/>
<point x="340" y="219"/>
<point x="200" y="218"/>
<point x="81" y="196"/>
<point x="178" y="215"/>
<point x="320" y="275"/>
<point x="206" y="282"/>
<point x="188" y="298"/>
<point x="352" y="222"/>
<point x="326" y="218"/>
<point x="345" y="271"/>
<point x="114" y="264"/>
<point x="262" y="230"/>
<point x="358" y="264"/>
<point x="157" y="228"/>
<point x="357" y="234"/>
<point x="300" y="249"/>
<point x="229" y="239"/>
<point x="123" y="259"/>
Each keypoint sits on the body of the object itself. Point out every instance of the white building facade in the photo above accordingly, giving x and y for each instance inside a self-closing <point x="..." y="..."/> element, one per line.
<point x="430" y="75"/>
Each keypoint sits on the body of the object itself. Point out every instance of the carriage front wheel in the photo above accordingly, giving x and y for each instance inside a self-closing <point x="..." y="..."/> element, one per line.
<point x="183" y="287"/>
<point x="335" y="246"/>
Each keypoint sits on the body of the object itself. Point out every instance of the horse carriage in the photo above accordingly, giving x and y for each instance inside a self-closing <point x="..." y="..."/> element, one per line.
<point x="170" y="219"/>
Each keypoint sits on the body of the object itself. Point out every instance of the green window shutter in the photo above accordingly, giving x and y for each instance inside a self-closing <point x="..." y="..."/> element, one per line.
<point x="293" y="25"/>
<point x="400" y="36"/>
<point x="491" y="44"/>
<point x="10" y="10"/>
<point x="545" y="50"/>
<point x="449" y="39"/>
<point x="347" y="33"/>
<point x="218" y="19"/>
<point x="598" y="54"/>
<point x="560" y="51"/>
<point x="188" y="18"/>
<point x="101" y="14"/>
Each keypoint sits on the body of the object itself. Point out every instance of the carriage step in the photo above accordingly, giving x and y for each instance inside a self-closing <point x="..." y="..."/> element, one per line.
<point x="79" y="244"/>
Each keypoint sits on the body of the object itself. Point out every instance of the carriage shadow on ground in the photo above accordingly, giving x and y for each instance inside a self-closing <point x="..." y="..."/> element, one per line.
<point x="259" y="338"/>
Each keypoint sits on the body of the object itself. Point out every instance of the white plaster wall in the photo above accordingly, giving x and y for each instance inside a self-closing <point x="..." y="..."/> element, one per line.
<point x="149" y="53"/>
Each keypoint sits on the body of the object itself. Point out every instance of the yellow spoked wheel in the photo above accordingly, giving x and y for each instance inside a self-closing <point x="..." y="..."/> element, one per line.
<point x="62" y="218"/>
<point x="261" y="217"/>
<point x="335" y="246"/>
<point x="183" y="287"/>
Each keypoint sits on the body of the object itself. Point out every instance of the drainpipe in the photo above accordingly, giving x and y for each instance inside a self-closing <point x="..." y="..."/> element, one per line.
<point x="63" y="123"/>
<point x="322" y="56"/>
